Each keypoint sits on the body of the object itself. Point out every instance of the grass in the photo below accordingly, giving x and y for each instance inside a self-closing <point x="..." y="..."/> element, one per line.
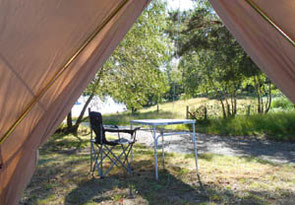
<point x="277" y="125"/>
<point x="178" y="108"/>
<point x="63" y="177"/>
<point x="170" y="110"/>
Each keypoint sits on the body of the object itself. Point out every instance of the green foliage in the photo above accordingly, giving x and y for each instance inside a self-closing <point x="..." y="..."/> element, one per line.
<point x="133" y="74"/>
<point x="199" y="114"/>
<point x="277" y="126"/>
<point x="274" y="125"/>
<point x="124" y="118"/>
<point x="282" y="103"/>
<point x="212" y="62"/>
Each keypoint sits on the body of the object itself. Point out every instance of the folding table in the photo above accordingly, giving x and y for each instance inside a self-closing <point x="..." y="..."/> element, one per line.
<point x="154" y="123"/>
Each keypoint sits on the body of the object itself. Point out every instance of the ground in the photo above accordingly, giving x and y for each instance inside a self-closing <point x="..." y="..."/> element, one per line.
<point x="63" y="176"/>
<point x="274" y="151"/>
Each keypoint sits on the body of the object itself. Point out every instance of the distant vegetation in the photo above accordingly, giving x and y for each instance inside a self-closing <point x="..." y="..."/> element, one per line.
<point x="278" y="124"/>
<point x="174" y="59"/>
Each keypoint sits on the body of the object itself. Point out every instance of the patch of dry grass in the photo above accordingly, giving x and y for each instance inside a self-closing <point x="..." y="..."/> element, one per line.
<point x="178" y="108"/>
<point x="63" y="177"/>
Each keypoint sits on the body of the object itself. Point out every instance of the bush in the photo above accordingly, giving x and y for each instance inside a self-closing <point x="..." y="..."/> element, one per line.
<point x="276" y="126"/>
<point x="282" y="103"/>
<point x="199" y="114"/>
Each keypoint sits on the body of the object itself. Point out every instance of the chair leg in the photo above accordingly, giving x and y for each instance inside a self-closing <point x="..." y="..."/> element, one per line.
<point x="98" y="164"/>
<point x="91" y="156"/>
<point x="130" y="146"/>
<point x="105" y="152"/>
<point x="94" y="158"/>
<point x="126" y="155"/>
<point x="118" y="158"/>
<point x="101" y="162"/>
<point x="129" y="150"/>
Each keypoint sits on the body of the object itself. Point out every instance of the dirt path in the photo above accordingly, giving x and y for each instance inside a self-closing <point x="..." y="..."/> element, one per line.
<point x="278" y="152"/>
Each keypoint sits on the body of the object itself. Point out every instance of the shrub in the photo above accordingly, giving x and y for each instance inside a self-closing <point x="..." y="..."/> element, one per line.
<point x="276" y="126"/>
<point x="282" y="102"/>
<point x="199" y="114"/>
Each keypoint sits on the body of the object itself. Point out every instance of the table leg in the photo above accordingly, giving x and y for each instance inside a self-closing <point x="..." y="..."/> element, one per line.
<point x="155" y="147"/>
<point x="195" y="147"/>
<point x="163" y="156"/>
<point x="131" y="151"/>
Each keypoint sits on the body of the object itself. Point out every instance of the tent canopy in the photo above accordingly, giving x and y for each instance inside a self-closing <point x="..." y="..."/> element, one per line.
<point x="50" y="50"/>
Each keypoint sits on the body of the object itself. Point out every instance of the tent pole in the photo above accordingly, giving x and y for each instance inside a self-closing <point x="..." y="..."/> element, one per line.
<point x="270" y="21"/>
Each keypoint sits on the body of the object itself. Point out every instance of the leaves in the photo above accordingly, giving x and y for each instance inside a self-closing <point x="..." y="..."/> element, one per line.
<point x="133" y="74"/>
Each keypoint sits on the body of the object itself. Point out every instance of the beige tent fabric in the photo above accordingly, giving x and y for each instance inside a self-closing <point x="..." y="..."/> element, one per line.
<point x="264" y="44"/>
<point x="38" y="38"/>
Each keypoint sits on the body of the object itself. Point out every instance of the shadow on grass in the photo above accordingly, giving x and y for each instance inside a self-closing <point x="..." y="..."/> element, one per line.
<point x="63" y="175"/>
<point x="141" y="187"/>
<point x="63" y="143"/>
<point x="52" y="175"/>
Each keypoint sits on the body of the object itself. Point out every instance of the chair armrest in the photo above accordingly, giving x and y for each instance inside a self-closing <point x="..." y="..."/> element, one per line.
<point x="132" y="132"/>
<point x="111" y="126"/>
<point x="128" y="131"/>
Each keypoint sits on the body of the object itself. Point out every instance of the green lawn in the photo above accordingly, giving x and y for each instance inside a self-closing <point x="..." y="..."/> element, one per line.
<point x="274" y="125"/>
<point x="63" y="177"/>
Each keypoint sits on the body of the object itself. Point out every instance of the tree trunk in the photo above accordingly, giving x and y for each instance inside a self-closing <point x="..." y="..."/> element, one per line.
<point x="80" y="118"/>
<point x="226" y="101"/>
<point x="74" y="128"/>
<point x="69" y="120"/>
<point x="232" y="105"/>
<point x="133" y="110"/>
<point x="262" y="105"/>
<point x="257" y="90"/>
<point x="235" y="106"/>
<point x="70" y="128"/>
<point x="223" y="108"/>
<point x="269" y="99"/>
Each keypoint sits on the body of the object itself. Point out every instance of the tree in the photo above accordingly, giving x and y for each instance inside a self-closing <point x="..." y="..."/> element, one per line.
<point x="91" y="91"/>
<point x="134" y="73"/>
<point x="260" y="83"/>
<point x="213" y="62"/>
<point x="210" y="59"/>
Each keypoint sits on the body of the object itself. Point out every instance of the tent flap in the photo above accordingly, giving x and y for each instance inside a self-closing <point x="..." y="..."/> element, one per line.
<point x="265" y="44"/>
<point x="50" y="51"/>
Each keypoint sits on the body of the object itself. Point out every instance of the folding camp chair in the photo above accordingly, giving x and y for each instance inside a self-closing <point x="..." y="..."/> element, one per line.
<point x="102" y="149"/>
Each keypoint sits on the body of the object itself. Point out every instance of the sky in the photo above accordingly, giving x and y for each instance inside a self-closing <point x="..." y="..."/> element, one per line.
<point x="184" y="4"/>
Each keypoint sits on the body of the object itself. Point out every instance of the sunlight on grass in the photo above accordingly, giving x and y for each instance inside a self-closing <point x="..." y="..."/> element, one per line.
<point x="274" y="125"/>
<point x="278" y="126"/>
<point x="178" y="108"/>
<point x="63" y="177"/>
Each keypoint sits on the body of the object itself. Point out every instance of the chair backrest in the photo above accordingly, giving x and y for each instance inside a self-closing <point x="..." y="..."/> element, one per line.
<point x="97" y="126"/>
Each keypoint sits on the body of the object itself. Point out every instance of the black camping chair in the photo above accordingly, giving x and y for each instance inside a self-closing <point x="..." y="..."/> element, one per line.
<point x="101" y="148"/>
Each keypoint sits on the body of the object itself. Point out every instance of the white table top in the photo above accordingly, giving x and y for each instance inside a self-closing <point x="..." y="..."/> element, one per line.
<point x="156" y="122"/>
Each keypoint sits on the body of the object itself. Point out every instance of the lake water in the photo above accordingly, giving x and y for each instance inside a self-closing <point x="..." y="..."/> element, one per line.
<point x="105" y="106"/>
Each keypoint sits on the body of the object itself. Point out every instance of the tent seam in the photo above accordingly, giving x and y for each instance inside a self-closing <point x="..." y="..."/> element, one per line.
<point x="270" y="21"/>
<point x="61" y="71"/>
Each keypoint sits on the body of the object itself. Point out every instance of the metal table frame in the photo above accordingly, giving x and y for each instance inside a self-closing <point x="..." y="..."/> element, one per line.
<point x="154" y="123"/>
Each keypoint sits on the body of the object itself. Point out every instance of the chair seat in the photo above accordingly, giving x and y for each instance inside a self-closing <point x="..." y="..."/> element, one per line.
<point x="117" y="142"/>
<point x="122" y="141"/>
